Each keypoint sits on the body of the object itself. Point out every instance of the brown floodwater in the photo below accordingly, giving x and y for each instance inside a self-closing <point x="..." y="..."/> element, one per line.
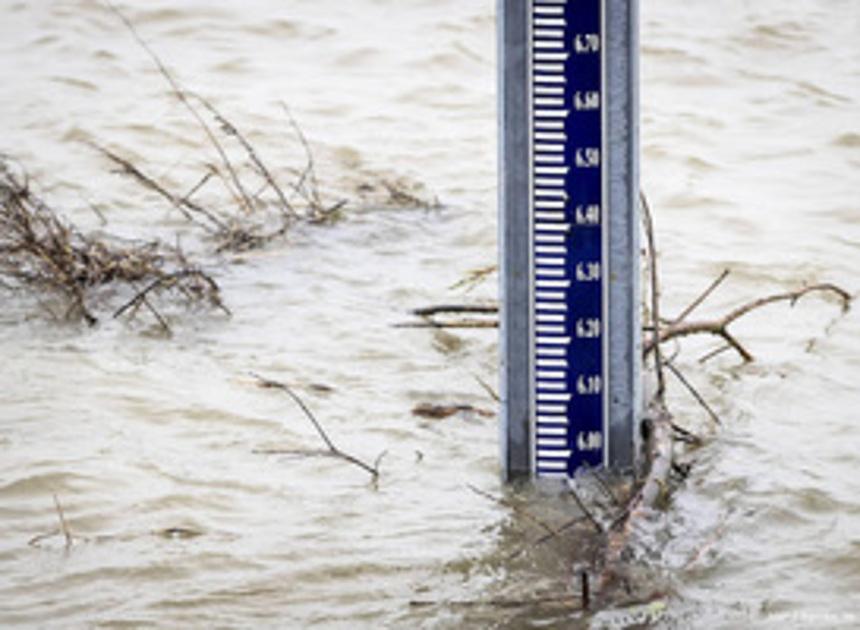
<point x="751" y="158"/>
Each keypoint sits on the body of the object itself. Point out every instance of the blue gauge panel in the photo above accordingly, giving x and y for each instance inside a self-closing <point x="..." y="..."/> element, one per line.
<point x="568" y="257"/>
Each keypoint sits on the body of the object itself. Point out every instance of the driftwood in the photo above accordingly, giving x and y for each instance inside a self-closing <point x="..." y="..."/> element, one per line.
<point x="675" y="329"/>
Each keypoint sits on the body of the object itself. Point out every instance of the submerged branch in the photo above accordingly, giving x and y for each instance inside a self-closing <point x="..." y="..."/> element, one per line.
<point x="332" y="449"/>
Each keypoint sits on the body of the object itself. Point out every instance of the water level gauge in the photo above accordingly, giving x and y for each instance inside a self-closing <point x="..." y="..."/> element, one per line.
<point x="568" y="233"/>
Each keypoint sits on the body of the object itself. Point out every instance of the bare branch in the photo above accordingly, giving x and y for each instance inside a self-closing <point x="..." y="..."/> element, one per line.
<point x="334" y="450"/>
<point x="719" y="327"/>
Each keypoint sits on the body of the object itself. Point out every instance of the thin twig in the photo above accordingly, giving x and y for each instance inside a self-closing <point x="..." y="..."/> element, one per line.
<point x="181" y="95"/>
<point x="334" y="450"/>
<point x="487" y="388"/>
<point x="184" y="204"/>
<point x="169" y="281"/>
<point x="473" y="278"/>
<point x="648" y="221"/>
<point x="713" y="353"/>
<point x="64" y="526"/>
<point x="307" y="185"/>
<point x="158" y="316"/>
<point x="694" y="392"/>
<point x="210" y="171"/>
<point x="513" y="506"/>
<point x="378" y="461"/>
<point x="229" y="128"/>
<point x="585" y="510"/>
<point x="704" y="296"/>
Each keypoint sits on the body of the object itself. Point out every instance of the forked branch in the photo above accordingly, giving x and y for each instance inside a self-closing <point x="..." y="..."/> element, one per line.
<point x="720" y="327"/>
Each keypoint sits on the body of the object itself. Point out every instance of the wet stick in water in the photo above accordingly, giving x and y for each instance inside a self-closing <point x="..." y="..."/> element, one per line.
<point x="63" y="529"/>
<point x="693" y="391"/>
<point x="332" y="449"/>
<point x="64" y="526"/>
<point x="307" y="187"/>
<point x="429" y="316"/>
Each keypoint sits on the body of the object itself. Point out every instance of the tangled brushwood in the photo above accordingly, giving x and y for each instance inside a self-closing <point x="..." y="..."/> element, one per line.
<point x="43" y="253"/>
<point x="51" y="258"/>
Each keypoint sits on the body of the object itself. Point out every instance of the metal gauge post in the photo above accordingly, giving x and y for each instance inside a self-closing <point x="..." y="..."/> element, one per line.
<point x="569" y="236"/>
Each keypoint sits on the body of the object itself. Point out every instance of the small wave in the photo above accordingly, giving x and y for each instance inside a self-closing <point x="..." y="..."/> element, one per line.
<point x="41" y="485"/>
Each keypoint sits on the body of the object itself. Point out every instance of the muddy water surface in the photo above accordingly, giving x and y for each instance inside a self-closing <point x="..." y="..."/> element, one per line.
<point x="751" y="156"/>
